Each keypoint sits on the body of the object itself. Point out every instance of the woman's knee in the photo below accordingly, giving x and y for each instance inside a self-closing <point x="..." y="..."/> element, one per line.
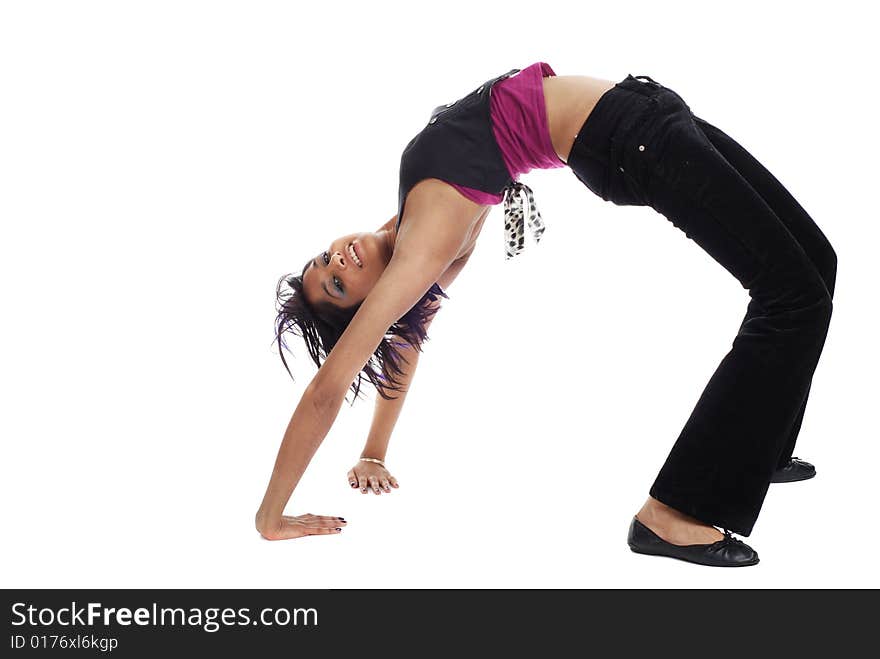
<point x="795" y="288"/>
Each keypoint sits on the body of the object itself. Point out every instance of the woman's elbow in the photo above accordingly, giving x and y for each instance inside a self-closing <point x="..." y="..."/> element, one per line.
<point x="322" y="395"/>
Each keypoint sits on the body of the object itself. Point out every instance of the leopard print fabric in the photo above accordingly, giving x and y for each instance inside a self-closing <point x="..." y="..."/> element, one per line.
<point x="514" y="218"/>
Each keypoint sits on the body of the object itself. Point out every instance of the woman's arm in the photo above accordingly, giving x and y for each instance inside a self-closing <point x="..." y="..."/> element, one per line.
<point x="369" y="475"/>
<point x="306" y="430"/>
<point x="386" y="412"/>
<point x="433" y="237"/>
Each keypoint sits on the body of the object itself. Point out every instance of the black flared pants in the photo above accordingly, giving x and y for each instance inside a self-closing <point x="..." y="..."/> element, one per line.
<point x="642" y="145"/>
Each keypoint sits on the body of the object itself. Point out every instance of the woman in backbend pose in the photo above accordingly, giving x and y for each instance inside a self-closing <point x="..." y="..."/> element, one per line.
<point x="364" y="303"/>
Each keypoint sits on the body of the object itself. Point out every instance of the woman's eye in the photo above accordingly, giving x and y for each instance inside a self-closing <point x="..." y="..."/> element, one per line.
<point x="326" y="258"/>
<point x="338" y="284"/>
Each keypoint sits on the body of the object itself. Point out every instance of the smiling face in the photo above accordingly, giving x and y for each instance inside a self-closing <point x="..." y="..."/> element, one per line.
<point x="343" y="274"/>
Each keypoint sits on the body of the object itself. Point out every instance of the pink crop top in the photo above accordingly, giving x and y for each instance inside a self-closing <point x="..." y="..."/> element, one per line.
<point x="519" y="122"/>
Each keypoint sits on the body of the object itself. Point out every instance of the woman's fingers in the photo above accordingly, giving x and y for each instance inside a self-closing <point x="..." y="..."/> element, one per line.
<point x="326" y="520"/>
<point x="315" y="520"/>
<point x="374" y="480"/>
<point x="296" y="528"/>
<point x="322" y="530"/>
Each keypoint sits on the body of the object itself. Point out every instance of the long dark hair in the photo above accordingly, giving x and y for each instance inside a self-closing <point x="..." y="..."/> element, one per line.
<point x="322" y="324"/>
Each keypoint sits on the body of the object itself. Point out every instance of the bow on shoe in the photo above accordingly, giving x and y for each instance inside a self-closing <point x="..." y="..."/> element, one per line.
<point x="514" y="222"/>
<point x="729" y="539"/>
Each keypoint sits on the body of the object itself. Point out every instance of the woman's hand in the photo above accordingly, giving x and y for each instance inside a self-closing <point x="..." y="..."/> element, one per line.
<point x="371" y="476"/>
<point x="295" y="527"/>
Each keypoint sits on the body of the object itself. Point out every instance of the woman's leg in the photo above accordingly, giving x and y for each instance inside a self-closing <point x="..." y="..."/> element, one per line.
<point x="642" y="145"/>
<point x="720" y="467"/>
<point x="796" y="220"/>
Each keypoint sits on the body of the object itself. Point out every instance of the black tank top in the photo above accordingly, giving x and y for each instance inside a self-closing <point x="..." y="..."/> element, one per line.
<point x="458" y="146"/>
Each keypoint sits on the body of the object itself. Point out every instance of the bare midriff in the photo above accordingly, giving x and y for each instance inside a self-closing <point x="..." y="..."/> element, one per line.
<point x="569" y="101"/>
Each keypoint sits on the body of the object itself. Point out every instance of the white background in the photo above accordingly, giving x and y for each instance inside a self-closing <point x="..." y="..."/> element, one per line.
<point x="162" y="164"/>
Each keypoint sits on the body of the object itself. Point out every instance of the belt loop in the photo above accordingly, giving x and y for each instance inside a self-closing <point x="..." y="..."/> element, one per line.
<point x="651" y="79"/>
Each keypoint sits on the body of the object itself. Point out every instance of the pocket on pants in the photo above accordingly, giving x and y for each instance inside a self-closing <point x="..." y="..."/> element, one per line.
<point x="630" y="164"/>
<point x="657" y="154"/>
<point x="623" y="188"/>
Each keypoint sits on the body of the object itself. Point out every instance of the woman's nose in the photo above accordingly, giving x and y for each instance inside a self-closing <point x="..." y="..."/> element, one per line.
<point x="340" y="261"/>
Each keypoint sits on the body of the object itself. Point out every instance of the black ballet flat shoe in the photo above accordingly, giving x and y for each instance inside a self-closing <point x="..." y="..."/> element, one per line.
<point x="795" y="470"/>
<point x="728" y="552"/>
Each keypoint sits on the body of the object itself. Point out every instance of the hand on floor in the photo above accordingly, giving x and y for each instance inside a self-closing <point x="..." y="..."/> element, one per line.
<point x="369" y="476"/>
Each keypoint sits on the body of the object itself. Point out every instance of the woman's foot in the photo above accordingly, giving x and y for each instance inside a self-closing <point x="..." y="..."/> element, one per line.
<point x="660" y="530"/>
<point x="795" y="470"/>
<point x="729" y="552"/>
<point x="674" y="526"/>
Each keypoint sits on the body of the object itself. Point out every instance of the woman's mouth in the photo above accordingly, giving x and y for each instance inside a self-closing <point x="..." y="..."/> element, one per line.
<point x="355" y="256"/>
